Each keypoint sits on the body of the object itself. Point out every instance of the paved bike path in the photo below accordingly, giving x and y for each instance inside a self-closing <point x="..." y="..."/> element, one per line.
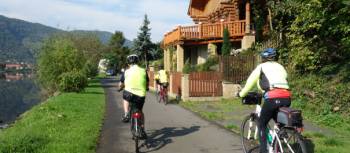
<point x="171" y="129"/>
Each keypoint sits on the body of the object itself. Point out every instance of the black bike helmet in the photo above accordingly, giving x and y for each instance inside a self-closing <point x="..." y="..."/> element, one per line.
<point x="269" y="54"/>
<point x="132" y="59"/>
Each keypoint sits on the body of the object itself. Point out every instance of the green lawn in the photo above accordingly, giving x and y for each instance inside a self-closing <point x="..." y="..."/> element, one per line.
<point x="230" y="113"/>
<point x="68" y="123"/>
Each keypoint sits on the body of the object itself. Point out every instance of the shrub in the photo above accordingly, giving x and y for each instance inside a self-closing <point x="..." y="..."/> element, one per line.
<point x="323" y="100"/>
<point x="58" y="55"/>
<point x="187" y="67"/>
<point x="72" y="81"/>
<point x="90" y="69"/>
<point x="158" y="63"/>
<point x="226" y="46"/>
<point x="208" y="65"/>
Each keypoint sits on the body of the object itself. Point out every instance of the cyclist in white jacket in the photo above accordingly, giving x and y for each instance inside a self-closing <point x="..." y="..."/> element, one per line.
<point x="271" y="79"/>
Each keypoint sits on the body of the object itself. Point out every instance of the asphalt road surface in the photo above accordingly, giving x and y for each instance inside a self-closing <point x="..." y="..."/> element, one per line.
<point x="170" y="129"/>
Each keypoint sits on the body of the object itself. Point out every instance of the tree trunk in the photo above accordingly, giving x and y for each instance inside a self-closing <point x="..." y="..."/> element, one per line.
<point x="270" y="19"/>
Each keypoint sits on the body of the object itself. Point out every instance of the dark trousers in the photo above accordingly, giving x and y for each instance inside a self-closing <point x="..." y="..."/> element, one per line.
<point x="269" y="110"/>
<point x="134" y="100"/>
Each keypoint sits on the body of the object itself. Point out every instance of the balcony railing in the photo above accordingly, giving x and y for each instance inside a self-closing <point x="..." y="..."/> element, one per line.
<point x="205" y="31"/>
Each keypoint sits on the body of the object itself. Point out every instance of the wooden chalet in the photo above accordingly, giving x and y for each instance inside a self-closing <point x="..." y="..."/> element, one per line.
<point x="196" y="43"/>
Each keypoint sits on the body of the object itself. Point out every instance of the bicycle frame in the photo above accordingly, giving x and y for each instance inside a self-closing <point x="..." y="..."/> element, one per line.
<point x="136" y="116"/>
<point x="257" y="112"/>
<point x="282" y="136"/>
<point x="136" y="121"/>
<point x="162" y="93"/>
<point x="273" y="133"/>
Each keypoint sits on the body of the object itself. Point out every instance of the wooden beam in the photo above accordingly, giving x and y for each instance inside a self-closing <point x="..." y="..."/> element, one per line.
<point x="203" y="42"/>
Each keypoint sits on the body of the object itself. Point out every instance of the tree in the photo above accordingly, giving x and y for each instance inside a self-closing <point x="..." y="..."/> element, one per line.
<point x="60" y="65"/>
<point x="156" y="51"/>
<point x="226" y="46"/>
<point x="115" y="52"/>
<point x="143" y="44"/>
<point x="89" y="44"/>
<point x="316" y="32"/>
<point x="259" y="12"/>
<point x="91" y="47"/>
<point x="66" y="60"/>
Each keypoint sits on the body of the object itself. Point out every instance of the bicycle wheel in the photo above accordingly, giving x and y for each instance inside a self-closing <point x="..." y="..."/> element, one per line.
<point x="158" y="96"/>
<point x="290" y="142"/>
<point x="166" y="99"/>
<point x="249" y="134"/>
<point x="137" y="145"/>
<point x="157" y="93"/>
<point x="135" y="133"/>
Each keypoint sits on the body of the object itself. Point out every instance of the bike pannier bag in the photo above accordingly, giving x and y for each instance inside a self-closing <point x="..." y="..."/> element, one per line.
<point x="253" y="98"/>
<point x="290" y="117"/>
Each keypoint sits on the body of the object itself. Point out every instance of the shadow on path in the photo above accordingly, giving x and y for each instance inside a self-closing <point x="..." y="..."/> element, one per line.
<point x="160" y="138"/>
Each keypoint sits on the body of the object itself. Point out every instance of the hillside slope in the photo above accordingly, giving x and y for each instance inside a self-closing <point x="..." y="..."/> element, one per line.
<point x="20" y="40"/>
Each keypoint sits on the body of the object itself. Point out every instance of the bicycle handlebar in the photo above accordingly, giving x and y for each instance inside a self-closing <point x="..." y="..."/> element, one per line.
<point x="252" y="98"/>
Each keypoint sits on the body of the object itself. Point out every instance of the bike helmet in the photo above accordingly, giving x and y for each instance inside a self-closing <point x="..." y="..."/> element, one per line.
<point x="268" y="53"/>
<point x="132" y="59"/>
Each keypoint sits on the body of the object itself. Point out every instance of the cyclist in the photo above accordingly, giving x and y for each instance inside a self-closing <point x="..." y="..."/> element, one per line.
<point x="163" y="78"/>
<point x="156" y="79"/>
<point x="136" y="85"/>
<point x="271" y="79"/>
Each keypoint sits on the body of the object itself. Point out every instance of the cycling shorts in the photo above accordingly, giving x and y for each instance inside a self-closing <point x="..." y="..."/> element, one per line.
<point x="157" y="81"/>
<point x="165" y="85"/>
<point x="134" y="100"/>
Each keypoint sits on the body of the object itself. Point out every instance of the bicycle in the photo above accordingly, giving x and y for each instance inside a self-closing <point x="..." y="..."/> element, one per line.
<point x="284" y="137"/>
<point x="136" y="120"/>
<point x="163" y="94"/>
<point x="157" y="92"/>
<point x="136" y="124"/>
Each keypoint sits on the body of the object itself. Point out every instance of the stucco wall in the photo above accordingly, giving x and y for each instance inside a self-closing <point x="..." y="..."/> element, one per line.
<point x="202" y="54"/>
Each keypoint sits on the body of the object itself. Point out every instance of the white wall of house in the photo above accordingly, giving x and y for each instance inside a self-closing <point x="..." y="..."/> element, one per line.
<point x="197" y="54"/>
<point x="102" y="65"/>
<point x="202" y="54"/>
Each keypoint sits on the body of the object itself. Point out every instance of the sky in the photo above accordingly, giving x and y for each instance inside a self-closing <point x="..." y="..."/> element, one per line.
<point x="105" y="15"/>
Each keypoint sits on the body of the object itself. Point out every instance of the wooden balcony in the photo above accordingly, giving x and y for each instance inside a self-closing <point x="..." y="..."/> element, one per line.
<point x="205" y="32"/>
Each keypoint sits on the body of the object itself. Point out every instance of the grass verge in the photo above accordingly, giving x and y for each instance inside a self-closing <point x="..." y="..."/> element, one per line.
<point x="230" y="113"/>
<point x="68" y="123"/>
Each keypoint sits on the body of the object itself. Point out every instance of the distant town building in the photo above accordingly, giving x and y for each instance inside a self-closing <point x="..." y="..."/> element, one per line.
<point x="13" y="66"/>
<point x="13" y="77"/>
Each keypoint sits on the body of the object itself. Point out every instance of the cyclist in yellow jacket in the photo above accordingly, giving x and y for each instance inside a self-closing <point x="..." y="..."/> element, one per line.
<point x="271" y="79"/>
<point x="163" y="78"/>
<point x="156" y="79"/>
<point x="135" y="86"/>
